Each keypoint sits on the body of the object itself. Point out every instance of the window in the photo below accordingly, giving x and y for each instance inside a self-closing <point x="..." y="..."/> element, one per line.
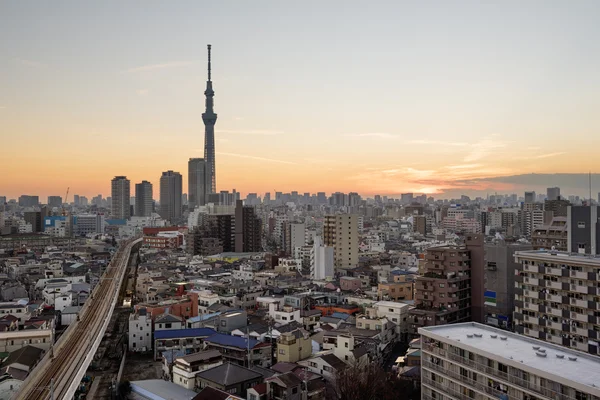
<point x="253" y="396"/>
<point x="134" y="335"/>
<point x="442" y="285"/>
<point x="223" y="323"/>
<point x="346" y="344"/>
<point x="168" y="326"/>
<point x="294" y="390"/>
<point x="281" y="351"/>
<point x="581" y="224"/>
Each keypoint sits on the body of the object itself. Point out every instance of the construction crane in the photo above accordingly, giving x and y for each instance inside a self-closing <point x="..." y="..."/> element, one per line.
<point x="64" y="211"/>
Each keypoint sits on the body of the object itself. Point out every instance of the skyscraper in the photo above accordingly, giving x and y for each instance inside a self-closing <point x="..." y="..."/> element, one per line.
<point x="341" y="233"/>
<point x="529" y="197"/>
<point x="210" y="118"/>
<point x="120" y="192"/>
<point x="197" y="182"/>
<point x="143" y="199"/>
<point x="553" y="193"/>
<point x="170" y="196"/>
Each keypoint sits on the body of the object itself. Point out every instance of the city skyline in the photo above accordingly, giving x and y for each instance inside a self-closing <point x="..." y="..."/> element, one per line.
<point x="303" y="105"/>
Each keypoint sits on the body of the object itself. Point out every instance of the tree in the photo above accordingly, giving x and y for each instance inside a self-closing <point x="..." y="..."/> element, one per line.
<point x="124" y="390"/>
<point x="372" y="382"/>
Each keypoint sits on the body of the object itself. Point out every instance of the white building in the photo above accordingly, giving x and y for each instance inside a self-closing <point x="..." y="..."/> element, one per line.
<point x="166" y="322"/>
<point x="322" y="261"/>
<point x="284" y="315"/>
<point x="297" y="236"/>
<point x="140" y="331"/>
<point x="470" y="360"/>
<point x="206" y="298"/>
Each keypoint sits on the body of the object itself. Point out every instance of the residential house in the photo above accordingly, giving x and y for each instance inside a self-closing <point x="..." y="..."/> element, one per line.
<point x="395" y="312"/>
<point x="294" y="346"/>
<point x="258" y="392"/>
<point x="284" y="387"/>
<point x="310" y="319"/>
<point x="240" y="350"/>
<point x="187" y="340"/>
<point x="210" y="393"/>
<point x="185" y="369"/>
<point x="168" y="321"/>
<point x="230" y="377"/>
<point x="326" y="365"/>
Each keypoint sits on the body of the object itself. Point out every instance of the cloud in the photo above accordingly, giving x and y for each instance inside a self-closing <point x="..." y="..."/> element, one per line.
<point x="238" y="118"/>
<point x="256" y="158"/>
<point x="153" y="67"/>
<point x="464" y="166"/>
<point x="549" y="155"/>
<point x="142" y="92"/>
<point x="30" y="63"/>
<point x="483" y="149"/>
<point x="440" y="142"/>
<point x="2" y="107"/>
<point x="380" y="135"/>
<point x="259" y="132"/>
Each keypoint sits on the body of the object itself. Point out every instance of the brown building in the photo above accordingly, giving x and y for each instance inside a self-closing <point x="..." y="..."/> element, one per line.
<point x="400" y="289"/>
<point x="247" y="229"/>
<point x="420" y="224"/>
<point x="450" y="288"/>
<point x="215" y="235"/>
<point x="558" y="207"/>
<point x="554" y="235"/>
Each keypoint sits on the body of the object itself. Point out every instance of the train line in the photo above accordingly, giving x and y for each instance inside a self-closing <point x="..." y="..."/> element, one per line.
<point x="60" y="371"/>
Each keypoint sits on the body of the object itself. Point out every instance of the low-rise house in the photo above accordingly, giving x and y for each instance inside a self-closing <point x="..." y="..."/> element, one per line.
<point x="158" y="389"/>
<point x="395" y="312"/>
<point x="284" y="387"/>
<point x="209" y="393"/>
<point x="168" y="321"/>
<point x="185" y="369"/>
<point x="9" y="323"/>
<point x="14" y="340"/>
<point x="326" y="365"/>
<point x="229" y="377"/>
<point x="257" y="332"/>
<point x="284" y="315"/>
<point x="258" y="392"/>
<point x="310" y="319"/>
<point x="187" y="340"/>
<point x="293" y="346"/>
<point x="21" y="362"/>
<point x="240" y="350"/>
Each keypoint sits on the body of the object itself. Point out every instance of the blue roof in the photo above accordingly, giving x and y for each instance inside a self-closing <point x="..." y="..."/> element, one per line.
<point x="183" y="333"/>
<point x="340" y="315"/>
<point x="171" y="355"/>
<point x="203" y="317"/>
<point x="232" y="341"/>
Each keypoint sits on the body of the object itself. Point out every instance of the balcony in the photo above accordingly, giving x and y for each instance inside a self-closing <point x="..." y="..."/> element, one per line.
<point x="579" y="289"/>
<point x="578" y="274"/>
<point x="531" y="268"/>
<point x="554" y="298"/>
<point x="531" y="306"/>
<point x="531" y="281"/>
<point x="554" y="285"/>
<point x="554" y="271"/>
<point x="579" y="303"/>
<point x="533" y="294"/>
<point x="579" y="317"/>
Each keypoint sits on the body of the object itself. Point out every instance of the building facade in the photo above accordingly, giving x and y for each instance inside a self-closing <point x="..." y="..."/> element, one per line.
<point x="474" y="361"/>
<point x="120" y="198"/>
<point x="170" y="196"/>
<point x="557" y="298"/>
<point x="143" y="199"/>
<point x="583" y="230"/>
<point x="341" y="233"/>
<point x="197" y="178"/>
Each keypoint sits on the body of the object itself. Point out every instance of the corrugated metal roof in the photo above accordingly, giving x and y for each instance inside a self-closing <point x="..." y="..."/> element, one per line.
<point x="182" y="333"/>
<point x="232" y="341"/>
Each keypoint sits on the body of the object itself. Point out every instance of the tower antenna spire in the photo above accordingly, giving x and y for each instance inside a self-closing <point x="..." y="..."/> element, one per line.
<point x="208" y="62"/>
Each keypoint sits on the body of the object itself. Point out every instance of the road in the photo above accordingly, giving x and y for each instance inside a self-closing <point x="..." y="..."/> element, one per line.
<point x="62" y="368"/>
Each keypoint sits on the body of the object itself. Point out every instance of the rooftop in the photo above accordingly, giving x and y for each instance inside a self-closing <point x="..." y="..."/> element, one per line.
<point x="518" y="350"/>
<point x="160" y="389"/>
<point x="183" y="333"/>
<point x="559" y="256"/>
<point x="229" y="374"/>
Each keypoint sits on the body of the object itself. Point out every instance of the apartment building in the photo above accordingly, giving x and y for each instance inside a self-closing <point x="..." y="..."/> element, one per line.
<point x="555" y="235"/>
<point x="140" y="331"/>
<point x="341" y="233"/>
<point x="557" y="298"/>
<point x="474" y="361"/>
<point x="450" y="288"/>
<point x="500" y="267"/>
<point x="583" y="231"/>
<point x="120" y="193"/>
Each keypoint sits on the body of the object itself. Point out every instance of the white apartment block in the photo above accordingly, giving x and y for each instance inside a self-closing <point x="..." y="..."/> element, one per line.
<point x="341" y="233"/>
<point x="321" y="261"/>
<point x="557" y="298"/>
<point x="140" y="331"/>
<point x="475" y="361"/>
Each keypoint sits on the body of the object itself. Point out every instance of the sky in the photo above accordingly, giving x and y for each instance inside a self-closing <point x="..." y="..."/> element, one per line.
<point x="380" y="97"/>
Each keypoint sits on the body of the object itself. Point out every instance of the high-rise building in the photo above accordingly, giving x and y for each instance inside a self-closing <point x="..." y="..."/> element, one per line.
<point x="556" y="298"/>
<point x="583" y="230"/>
<point x="197" y="182"/>
<point x="529" y="197"/>
<point x="3" y="199"/>
<point x="321" y="260"/>
<point x="210" y="118"/>
<point x="450" y="287"/>
<point x="36" y="219"/>
<point x="120" y="194"/>
<point x="170" y="196"/>
<point x="294" y="236"/>
<point x="341" y="232"/>
<point x="247" y="229"/>
<point x="557" y="206"/>
<point x="475" y="361"/>
<point x="553" y="193"/>
<point x="54" y="201"/>
<point x="143" y="199"/>
<point x="28" y="201"/>
<point x="500" y="267"/>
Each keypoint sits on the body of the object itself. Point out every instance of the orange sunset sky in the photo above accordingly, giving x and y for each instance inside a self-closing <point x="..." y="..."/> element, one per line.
<point x="395" y="97"/>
